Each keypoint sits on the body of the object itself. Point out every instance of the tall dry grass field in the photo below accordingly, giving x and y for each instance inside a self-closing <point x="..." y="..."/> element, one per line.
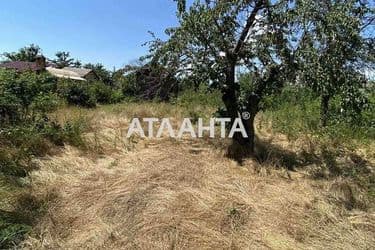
<point x="120" y="193"/>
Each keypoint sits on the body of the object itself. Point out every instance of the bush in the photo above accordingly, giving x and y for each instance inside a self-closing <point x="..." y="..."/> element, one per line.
<point x="102" y="92"/>
<point x="19" y="91"/>
<point x="26" y="132"/>
<point x="203" y="96"/>
<point x="26" y="86"/>
<point x="129" y="86"/>
<point x="296" y="111"/>
<point x="78" y="94"/>
<point x="8" y="165"/>
<point x="45" y="103"/>
<point x="117" y="96"/>
<point x="22" y="142"/>
<point x="87" y="94"/>
<point x="10" y="108"/>
<point x="72" y="133"/>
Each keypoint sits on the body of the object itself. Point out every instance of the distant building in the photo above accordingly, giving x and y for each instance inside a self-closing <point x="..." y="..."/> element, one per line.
<point x="40" y="65"/>
<point x="21" y="66"/>
<point x="79" y="74"/>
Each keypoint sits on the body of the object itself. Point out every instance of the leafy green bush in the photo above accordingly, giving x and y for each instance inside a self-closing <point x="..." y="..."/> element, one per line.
<point x="79" y="94"/>
<point x="296" y="111"/>
<point x="26" y="86"/>
<point x="117" y="96"/>
<point x="19" y="143"/>
<point x="8" y="165"/>
<point x="27" y="132"/>
<point x="45" y="103"/>
<point x="102" y="92"/>
<point x="200" y="97"/>
<point x="70" y="132"/>
<point x="88" y="94"/>
<point x="10" y="108"/>
<point x="196" y="102"/>
<point x="129" y="85"/>
<point x="19" y="91"/>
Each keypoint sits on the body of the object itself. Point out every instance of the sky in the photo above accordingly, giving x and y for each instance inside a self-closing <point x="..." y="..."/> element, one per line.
<point x="110" y="32"/>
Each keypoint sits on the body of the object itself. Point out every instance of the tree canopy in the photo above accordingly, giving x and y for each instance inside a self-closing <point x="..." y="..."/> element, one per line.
<point x="63" y="59"/>
<point x="28" y="54"/>
<point x="214" y="38"/>
<point x="334" y="50"/>
<point x="316" y="43"/>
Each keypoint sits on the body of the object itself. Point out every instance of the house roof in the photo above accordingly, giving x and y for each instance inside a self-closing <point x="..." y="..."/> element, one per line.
<point x="65" y="73"/>
<point x="81" y="72"/>
<point x="21" y="66"/>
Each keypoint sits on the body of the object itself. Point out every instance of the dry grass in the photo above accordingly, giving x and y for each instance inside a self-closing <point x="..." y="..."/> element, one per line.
<point x="165" y="194"/>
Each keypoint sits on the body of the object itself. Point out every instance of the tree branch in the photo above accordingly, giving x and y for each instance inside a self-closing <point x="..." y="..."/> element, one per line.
<point x="249" y="23"/>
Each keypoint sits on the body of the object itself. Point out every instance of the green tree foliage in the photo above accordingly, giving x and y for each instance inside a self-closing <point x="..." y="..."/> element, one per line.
<point x="77" y="64"/>
<point x="20" y="92"/>
<point x="77" y="93"/>
<point x="127" y="83"/>
<point x="181" y="5"/>
<point x="323" y="41"/>
<point x="25" y="101"/>
<point x="216" y="37"/>
<point x="63" y="59"/>
<point x="28" y="54"/>
<point x="335" y="51"/>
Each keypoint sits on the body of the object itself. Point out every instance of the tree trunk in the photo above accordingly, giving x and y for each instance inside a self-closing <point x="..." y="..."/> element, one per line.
<point x="252" y="108"/>
<point x="229" y="93"/>
<point x="250" y="130"/>
<point x="324" y="108"/>
<point x="230" y="101"/>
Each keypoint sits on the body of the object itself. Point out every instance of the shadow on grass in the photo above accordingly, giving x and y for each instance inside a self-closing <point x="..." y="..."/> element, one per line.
<point x="351" y="180"/>
<point x="328" y="161"/>
<point x="267" y="153"/>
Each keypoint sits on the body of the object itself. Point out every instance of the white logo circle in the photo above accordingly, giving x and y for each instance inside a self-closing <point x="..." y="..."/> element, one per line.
<point x="246" y="115"/>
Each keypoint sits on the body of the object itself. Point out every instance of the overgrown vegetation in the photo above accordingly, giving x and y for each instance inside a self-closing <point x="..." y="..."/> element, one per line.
<point x="319" y="45"/>
<point x="296" y="111"/>
<point x="26" y="132"/>
<point x="27" y="129"/>
<point x="302" y="76"/>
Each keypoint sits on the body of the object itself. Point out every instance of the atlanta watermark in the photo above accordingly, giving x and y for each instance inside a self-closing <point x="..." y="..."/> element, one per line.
<point x="165" y="128"/>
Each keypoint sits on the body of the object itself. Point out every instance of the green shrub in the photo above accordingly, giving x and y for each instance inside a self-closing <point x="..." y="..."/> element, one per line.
<point x="18" y="92"/>
<point x="129" y="86"/>
<point x="8" y="165"/>
<point x="72" y="132"/>
<point x="10" y="108"/>
<point x="203" y="96"/>
<point x="27" y="132"/>
<point x="26" y="139"/>
<point x="117" y="96"/>
<point x="26" y="86"/>
<point x="196" y="102"/>
<point x="296" y="111"/>
<point x="102" y="92"/>
<point x="79" y="94"/>
<point x="45" y="103"/>
<point x="19" y="144"/>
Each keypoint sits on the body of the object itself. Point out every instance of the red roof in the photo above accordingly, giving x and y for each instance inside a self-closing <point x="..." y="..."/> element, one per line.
<point x="21" y="66"/>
